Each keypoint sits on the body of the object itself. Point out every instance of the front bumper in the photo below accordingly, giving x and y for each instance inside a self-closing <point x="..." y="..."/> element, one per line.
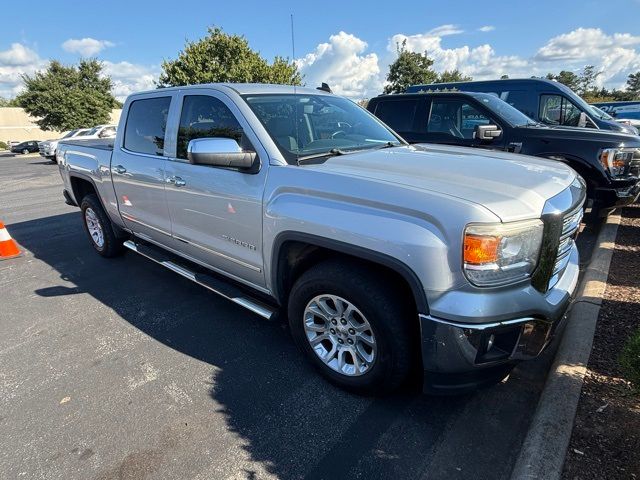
<point x="623" y="193"/>
<point x="462" y="355"/>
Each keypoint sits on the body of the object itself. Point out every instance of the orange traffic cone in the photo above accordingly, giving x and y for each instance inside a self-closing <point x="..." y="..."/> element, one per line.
<point x="8" y="246"/>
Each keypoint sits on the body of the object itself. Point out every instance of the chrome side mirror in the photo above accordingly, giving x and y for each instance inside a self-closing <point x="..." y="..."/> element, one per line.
<point x="486" y="132"/>
<point x="219" y="152"/>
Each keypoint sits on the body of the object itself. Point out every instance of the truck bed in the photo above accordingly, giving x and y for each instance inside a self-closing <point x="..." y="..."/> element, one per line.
<point x="101" y="143"/>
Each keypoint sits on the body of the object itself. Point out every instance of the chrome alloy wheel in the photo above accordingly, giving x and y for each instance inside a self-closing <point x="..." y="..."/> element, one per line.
<point x="94" y="227"/>
<point x="340" y="335"/>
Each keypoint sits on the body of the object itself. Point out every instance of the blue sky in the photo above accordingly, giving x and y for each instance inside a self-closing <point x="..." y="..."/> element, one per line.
<point x="349" y="44"/>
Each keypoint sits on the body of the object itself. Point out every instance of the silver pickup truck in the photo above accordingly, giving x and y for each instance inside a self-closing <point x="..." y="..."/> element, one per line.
<point x="387" y="259"/>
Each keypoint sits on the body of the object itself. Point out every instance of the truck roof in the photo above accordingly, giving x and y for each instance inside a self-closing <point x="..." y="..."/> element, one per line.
<point x="244" y="88"/>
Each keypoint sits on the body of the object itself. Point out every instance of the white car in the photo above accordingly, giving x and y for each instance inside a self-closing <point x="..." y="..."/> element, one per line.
<point x="100" y="131"/>
<point x="48" y="147"/>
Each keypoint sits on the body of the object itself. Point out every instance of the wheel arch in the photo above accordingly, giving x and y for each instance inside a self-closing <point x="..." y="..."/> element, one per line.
<point x="295" y="252"/>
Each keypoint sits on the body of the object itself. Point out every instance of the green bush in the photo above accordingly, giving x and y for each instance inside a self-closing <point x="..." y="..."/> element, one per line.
<point x="630" y="360"/>
<point x="3" y="146"/>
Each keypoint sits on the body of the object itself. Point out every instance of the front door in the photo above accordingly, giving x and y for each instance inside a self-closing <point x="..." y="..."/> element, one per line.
<point x="216" y="212"/>
<point x="453" y="121"/>
<point x="138" y="169"/>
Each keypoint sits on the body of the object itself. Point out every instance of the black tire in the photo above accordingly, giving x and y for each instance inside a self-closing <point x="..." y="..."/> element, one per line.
<point x="386" y="309"/>
<point x="111" y="245"/>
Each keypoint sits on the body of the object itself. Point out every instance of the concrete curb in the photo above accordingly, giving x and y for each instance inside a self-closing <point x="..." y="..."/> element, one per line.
<point x="545" y="446"/>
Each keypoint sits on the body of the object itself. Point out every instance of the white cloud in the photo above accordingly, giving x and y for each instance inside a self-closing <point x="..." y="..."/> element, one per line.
<point x="19" y="60"/>
<point x="86" y="47"/>
<point x="351" y="70"/>
<point x="129" y="77"/>
<point x="343" y="64"/>
<point x="14" y="62"/>
<point x="18" y="55"/>
<point x="614" y="55"/>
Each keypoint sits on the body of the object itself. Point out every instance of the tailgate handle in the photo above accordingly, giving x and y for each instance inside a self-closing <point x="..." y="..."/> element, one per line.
<point x="119" y="169"/>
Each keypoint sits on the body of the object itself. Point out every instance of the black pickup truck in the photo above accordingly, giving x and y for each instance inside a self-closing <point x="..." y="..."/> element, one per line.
<point x="608" y="161"/>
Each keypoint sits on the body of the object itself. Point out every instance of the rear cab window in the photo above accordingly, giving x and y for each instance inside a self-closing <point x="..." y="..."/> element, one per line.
<point x="146" y="125"/>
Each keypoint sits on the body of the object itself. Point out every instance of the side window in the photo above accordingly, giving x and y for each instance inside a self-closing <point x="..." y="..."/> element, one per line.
<point x="557" y="110"/>
<point x="456" y="118"/>
<point x="146" y="124"/>
<point x="398" y="114"/>
<point x="521" y="100"/>
<point x="205" y="116"/>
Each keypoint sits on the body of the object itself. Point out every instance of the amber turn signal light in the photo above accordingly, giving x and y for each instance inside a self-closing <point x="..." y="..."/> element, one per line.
<point x="480" y="249"/>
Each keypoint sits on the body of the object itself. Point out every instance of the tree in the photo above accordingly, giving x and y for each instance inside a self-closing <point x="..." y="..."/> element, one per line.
<point x="64" y="98"/>
<point x="504" y="77"/>
<point x="567" y="78"/>
<point x="11" y="102"/>
<point x="453" y="76"/>
<point x="633" y="84"/>
<point x="220" y="57"/>
<point x="587" y="83"/>
<point x="410" y="68"/>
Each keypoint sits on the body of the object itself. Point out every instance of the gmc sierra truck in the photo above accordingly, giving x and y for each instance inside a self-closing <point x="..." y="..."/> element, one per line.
<point x="386" y="259"/>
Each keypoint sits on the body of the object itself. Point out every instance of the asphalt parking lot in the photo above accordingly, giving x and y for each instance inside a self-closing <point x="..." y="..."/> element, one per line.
<point x="120" y="369"/>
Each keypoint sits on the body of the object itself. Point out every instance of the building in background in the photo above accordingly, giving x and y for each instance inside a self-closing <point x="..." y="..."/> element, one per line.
<point x="16" y="125"/>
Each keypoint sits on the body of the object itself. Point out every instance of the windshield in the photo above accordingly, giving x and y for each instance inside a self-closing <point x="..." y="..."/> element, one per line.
<point x="601" y="114"/>
<point x="303" y="124"/>
<point x="70" y="134"/>
<point x="92" y="131"/>
<point x="511" y="114"/>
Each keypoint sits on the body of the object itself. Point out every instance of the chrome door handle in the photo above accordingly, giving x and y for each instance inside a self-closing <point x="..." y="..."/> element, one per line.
<point x="119" y="169"/>
<point x="177" y="181"/>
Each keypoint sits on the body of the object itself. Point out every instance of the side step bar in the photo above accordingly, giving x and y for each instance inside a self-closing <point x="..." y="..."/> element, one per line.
<point x="226" y="290"/>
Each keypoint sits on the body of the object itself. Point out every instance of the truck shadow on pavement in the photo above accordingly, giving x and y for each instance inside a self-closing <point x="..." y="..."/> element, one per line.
<point x="292" y="424"/>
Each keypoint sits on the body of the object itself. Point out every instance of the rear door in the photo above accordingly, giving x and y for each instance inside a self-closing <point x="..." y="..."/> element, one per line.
<point x="138" y="168"/>
<point x="402" y="115"/>
<point x="216" y="212"/>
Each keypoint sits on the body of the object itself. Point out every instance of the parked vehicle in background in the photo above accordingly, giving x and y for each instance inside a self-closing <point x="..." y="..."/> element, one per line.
<point x="608" y="161"/>
<point x="48" y="147"/>
<point x="29" y="146"/>
<point x="545" y="101"/>
<point x="623" y="112"/>
<point x="386" y="258"/>
<point x="101" y="131"/>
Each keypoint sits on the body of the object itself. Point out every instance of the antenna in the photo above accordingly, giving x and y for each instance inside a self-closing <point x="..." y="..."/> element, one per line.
<point x="295" y="100"/>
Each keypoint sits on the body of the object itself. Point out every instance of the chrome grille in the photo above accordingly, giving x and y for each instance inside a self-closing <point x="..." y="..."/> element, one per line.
<point x="570" y="225"/>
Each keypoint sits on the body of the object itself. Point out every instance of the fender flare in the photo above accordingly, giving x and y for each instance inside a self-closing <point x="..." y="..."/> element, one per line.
<point x="373" y="256"/>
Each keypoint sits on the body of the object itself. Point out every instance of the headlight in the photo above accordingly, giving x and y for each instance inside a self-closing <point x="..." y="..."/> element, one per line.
<point x="618" y="161"/>
<point x="501" y="253"/>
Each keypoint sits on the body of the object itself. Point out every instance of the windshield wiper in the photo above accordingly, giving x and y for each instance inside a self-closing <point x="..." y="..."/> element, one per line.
<point x="334" y="152"/>
<point x="387" y="145"/>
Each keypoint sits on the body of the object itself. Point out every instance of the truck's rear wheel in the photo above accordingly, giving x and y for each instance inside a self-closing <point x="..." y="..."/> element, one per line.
<point x="98" y="227"/>
<point x="352" y="326"/>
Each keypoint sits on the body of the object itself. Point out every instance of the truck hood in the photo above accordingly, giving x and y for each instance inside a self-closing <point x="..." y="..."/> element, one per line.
<point x="607" y="138"/>
<point x="513" y="187"/>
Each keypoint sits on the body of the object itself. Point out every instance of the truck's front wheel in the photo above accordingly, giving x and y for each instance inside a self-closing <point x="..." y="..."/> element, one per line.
<point x="98" y="227"/>
<point x="352" y="326"/>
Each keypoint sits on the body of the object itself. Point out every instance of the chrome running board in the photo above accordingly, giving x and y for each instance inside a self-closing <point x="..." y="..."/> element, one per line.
<point x="216" y="285"/>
